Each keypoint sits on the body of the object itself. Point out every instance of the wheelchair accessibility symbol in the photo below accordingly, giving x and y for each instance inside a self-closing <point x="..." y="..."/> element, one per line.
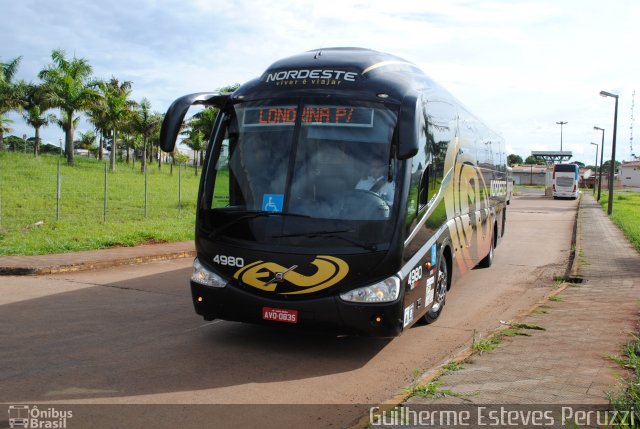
<point x="272" y="202"/>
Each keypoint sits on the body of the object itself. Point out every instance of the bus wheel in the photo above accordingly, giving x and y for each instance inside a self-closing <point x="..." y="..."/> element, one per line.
<point x="442" y="284"/>
<point x="504" y="221"/>
<point x="488" y="260"/>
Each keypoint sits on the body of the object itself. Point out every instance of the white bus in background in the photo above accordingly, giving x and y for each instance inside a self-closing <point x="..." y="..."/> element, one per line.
<point x="565" y="180"/>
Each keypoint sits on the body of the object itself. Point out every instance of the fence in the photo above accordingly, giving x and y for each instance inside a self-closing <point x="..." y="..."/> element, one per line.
<point x="88" y="200"/>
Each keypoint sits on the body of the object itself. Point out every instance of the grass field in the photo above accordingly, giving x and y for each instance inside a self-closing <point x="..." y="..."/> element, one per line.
<point x="28" y="188"/>
<point x="626" y="210"/>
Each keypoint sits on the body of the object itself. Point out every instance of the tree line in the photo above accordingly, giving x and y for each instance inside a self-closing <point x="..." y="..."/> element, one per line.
<point x="68" y="86"/>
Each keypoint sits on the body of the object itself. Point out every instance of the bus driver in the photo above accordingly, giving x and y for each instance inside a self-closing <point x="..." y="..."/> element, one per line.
<point x="377" y="182"/>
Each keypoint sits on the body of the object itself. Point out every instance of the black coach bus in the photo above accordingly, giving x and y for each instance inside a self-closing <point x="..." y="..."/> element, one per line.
<point x="342" y="190"/>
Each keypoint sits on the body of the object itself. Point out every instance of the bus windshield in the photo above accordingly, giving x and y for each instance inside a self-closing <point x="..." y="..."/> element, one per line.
<point x="304" y="174"/>
<point x="566" y="168"/>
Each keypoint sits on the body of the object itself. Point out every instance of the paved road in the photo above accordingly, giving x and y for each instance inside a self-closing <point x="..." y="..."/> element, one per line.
<point x="129" y="334"/>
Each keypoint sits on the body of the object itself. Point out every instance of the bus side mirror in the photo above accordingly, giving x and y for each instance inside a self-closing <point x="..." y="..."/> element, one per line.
<point x="409" y="126"/>
<point x="175" y="114"/>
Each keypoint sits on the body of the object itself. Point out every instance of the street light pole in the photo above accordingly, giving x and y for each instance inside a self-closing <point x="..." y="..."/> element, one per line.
<point x="601" y="158"/>
<point x="613" y="150"/>
<point x="594" y="183"/>
<point x="561" y="123"/>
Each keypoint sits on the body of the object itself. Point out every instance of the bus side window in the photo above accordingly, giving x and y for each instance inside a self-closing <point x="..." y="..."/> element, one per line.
<point x="441" y="120"/>
<point x="424" y="188"/>
<point x="423" y="157"/>
<point x="427" y="170"/>
<point x="417" y="188"/>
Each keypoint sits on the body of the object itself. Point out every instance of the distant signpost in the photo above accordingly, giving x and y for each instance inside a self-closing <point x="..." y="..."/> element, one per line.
<point x="553" y="157"/>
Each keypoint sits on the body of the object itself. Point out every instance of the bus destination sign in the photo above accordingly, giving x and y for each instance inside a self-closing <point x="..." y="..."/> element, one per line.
<point x="345" y="116"/>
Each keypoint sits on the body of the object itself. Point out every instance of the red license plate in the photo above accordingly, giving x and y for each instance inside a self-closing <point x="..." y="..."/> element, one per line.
<point x="280" y="315"/>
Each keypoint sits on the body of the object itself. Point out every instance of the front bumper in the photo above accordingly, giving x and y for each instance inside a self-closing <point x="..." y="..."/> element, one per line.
<point x="565" y="194"/>
<point x="328" y="313"/>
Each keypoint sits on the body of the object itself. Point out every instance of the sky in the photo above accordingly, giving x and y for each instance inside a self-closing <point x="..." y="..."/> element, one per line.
<point x="520" y="66"/>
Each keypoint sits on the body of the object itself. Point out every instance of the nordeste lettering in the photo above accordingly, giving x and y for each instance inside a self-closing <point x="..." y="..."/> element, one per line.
<point x="311" y="74"/>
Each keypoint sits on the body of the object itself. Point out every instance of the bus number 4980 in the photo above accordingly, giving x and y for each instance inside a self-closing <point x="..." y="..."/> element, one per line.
<point x="230" y="261"/>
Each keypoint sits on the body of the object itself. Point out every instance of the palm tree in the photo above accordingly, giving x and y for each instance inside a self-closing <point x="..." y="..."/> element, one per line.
<point x="4" y="125"/>
<point x="11" y="93"/>
<point x="98" y="117"/>
<point x="127" y="136"/>
<point x="145" y="124"/>
<point x="127" y="132"/>
<point x="67" y="86"/>
<point x="87" y="140"/>
<point x="63" y="122"/>
<point x="154" y="139"/>
<point x="117" y="107"/>
<point x="203" y="121"/>
<point x="34" y="113"/>
<point x="195" y="140"/>
<point x="133" y="142"/>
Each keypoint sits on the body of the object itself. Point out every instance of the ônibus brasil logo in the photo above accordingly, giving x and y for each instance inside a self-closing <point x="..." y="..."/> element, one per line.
<point x="26" y="416"/>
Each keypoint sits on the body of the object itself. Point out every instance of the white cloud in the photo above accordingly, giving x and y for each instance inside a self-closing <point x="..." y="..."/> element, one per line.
<point x="520" y="66"/>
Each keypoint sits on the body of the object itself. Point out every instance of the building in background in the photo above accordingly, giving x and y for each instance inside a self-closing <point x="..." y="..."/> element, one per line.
<point x="630" y="174"/>
<point x="529" y="174"/>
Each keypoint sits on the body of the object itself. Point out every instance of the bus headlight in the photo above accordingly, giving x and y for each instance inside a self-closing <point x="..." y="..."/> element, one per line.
<point x="205" y="277"/>
<point x="385" y="291"/>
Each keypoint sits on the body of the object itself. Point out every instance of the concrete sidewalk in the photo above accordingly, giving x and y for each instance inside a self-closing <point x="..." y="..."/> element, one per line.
<point x="567" y="363"/>
<point x="94" y="259"/>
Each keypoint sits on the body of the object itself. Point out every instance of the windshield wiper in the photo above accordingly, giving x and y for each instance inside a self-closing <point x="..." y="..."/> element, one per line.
<point x="251" y="215"/>
<point x="332" y="234"/>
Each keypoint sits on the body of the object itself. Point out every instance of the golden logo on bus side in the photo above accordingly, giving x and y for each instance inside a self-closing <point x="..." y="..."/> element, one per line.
<point x="466" y="203"/>
<point x="267" y="276"/>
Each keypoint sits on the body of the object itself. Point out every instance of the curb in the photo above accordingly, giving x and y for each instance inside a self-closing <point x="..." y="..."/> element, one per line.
<point x="572" y="267"/>
<point x="91" y="265"/>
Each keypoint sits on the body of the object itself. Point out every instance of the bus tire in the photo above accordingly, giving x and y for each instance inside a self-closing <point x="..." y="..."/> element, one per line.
<point x="488" y="260"/>
<point x="440" y="294"/>
<point x="504" y="222"/>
